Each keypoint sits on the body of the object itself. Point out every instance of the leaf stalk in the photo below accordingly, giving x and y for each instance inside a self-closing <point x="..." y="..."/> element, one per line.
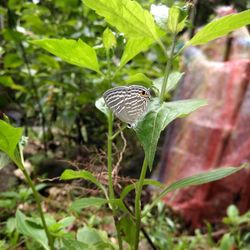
<point x="168" y="68"/>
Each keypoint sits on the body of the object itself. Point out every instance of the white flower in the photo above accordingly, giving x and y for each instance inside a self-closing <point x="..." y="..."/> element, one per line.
<point x="160" y="13"/>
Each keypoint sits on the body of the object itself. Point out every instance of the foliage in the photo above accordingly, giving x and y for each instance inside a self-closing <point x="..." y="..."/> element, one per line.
<point x="9" y="138"/>
<point x="158" y="117"/>
<point x="238" y="234"/>
<point x="166" y="231"/>
<point x="127" y="16"/>
<point x="220" y="27"/>
<point x="71" y="51"/>
<point x="10" y="199"/>
<point x="104" y="61"/>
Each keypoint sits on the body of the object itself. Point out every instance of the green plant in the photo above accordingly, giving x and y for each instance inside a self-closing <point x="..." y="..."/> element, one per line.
<point x="10" y="199"/>
<point x="166" y="233"/>
<point x="11" y="144"/>
<point x="141" y="32"/>
<point x="237" y="231"/>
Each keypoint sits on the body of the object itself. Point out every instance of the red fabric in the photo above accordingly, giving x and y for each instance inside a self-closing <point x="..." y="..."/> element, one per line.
<point x="214" y="136"/>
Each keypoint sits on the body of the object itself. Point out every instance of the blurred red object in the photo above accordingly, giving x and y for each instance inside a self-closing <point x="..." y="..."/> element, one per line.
<point x="214" y="136"/>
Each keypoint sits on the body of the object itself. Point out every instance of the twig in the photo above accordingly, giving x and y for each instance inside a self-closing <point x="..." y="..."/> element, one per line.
<point x="48" y="179"/>
<point x="116" y="168"/>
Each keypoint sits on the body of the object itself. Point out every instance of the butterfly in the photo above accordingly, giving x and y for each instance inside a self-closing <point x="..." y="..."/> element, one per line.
<point x="128" y="103"/>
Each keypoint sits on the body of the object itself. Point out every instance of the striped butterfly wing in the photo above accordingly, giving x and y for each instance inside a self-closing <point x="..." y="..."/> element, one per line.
<point x="115" y="100"/>
<point x="127" y="103"/>
<point x="136" y="104"/>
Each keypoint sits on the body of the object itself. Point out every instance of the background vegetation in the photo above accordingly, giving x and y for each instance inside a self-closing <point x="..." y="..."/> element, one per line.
<point x="54" y="101"/>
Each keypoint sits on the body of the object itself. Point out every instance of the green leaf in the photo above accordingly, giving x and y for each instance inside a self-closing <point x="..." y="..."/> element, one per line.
<point x="7" y="81"/>
<point x="49" y="61"/>
<point x="73" y="244"/>
<point x="69" y="174"/>
<point x="227" y="242"/>
<point x="37" y="222"/>
<point x="7" y="203"/>
<point x="82" y="203"/>
<point x="220" y="27"/>
<point x="139" y="78"/>
<point x="28" y="229"/>
<point x="65" y="222"/>
<point x="127" y="227"/>
<point x="9" y="138"/>
<point x="94" y="238"/>
<point x="173" y="79"/>
<point x="71" y="51"/>
<point x="13" y="35"/>
<point x="176" y="19"/>
<point x="108" y="39"/>
<point x="158" y="117"/>
<point x="84" y="98"/>
<point x="232" y="212"/>
<point x="133" y="47"/>
<point x="25" y="193"/>
<point x="89" y="235"/>
<point x="12" y="61"/>
<point x="127" y="16"/>
<point x="196" y="180"/>
<point x="10" y="225"/>
<point x="203" y="178"/>
<point x="118" y="203"/>
<point x="4" y="160"/>
<point x="131" y="187"/>
<point x="56" y="228"/>
<point x="100" y="104"/>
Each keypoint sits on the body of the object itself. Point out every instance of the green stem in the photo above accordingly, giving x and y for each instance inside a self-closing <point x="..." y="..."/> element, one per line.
<point x="110" y="132"/>
<point x="138" y="204"/>
<point x="180" y="50"/>
<point x="110" y="160"/>
<point x="19" y="161"/>
<point x="108" y="67"/>
<point x="110" y="180"/>
<point x="163" y="48"/>
<point x="119" y="236"/>
<point x="168" y="68"/>
<point x="39" y="206"/>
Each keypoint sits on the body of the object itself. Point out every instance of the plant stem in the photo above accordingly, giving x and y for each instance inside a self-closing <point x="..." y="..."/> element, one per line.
<point x="119" y="237"/>
<point x="193" y="18"/>
<point x="144" y="166"/>
<point x="110" y="180"/>
<point x="138" y="203"/>
<point x="168" y="68"/>
<point x="19" y="161"/>
<point x="110" y="160"/>
<point x="39" y="206"/>
<point x="108" y="67"/>
<point x="161" y="44"/>
<point x="110" y="132"/>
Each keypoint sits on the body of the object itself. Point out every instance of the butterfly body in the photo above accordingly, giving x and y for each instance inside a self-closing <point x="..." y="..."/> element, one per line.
<point x="128" y="103"/>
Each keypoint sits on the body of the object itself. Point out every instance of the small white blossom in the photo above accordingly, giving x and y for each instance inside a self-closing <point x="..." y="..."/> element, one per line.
<point x="160" y="13"/>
